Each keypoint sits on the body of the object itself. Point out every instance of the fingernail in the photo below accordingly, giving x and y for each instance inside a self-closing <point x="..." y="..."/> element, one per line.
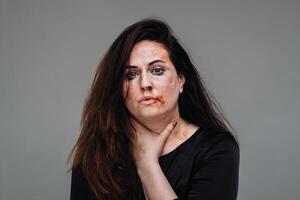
<point x="174" y="124"/>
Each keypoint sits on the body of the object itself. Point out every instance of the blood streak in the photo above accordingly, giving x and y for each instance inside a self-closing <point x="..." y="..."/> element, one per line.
<point x="161" y="100"/>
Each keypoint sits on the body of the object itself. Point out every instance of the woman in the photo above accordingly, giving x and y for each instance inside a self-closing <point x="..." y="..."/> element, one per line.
<point x="149" y="129"/>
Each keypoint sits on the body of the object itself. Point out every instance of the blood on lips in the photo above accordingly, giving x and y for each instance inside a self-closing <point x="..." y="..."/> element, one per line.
<point x="161" y="99"/>
<point x="155" y="100"/>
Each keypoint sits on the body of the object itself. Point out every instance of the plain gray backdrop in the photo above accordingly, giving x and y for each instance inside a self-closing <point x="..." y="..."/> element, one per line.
<point x="248" y="53"/>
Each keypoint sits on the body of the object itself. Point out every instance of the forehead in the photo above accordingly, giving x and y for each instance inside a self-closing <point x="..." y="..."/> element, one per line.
<point x="147" y="51"/>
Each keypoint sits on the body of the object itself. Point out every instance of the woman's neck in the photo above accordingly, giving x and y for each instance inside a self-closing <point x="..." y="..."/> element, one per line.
<point x="158" y="123"/>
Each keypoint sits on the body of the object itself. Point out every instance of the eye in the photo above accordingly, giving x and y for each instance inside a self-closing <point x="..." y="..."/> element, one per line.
<point x="158" y="71"/>
<point x="130" y="75"/>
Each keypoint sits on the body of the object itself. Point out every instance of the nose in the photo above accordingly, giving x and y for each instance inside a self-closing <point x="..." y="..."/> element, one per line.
<point x="146" y="83"/>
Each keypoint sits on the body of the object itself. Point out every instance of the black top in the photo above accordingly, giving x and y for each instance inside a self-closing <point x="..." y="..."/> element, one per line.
<point x="204" y="167"/>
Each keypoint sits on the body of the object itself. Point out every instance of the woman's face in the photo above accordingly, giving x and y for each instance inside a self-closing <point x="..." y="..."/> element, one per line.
<point x="151" y="85"/>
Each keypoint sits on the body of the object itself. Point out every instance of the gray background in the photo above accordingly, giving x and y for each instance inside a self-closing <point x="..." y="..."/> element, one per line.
<point x="247" y="51"/>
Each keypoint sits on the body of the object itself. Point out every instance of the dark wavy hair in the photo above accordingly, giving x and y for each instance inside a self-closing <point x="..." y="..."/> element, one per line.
<point x="103" y="149"/>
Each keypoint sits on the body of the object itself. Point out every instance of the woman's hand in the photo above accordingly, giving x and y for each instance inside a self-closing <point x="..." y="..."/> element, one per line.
<point x="148" y="145"/>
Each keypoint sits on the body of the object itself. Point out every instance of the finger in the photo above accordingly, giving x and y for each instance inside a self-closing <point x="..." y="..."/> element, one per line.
<point x="169" y="128"/>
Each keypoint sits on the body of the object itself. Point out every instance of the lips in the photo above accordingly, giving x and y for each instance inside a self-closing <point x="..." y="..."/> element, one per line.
<point x="149" y="100"/>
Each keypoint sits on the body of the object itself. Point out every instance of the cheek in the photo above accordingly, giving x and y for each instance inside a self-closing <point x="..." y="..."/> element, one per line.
<point x="125" y="90"/>
<point x="168" y="88"/>
<point x="169" y="84"/>
<point x="128" y="94"/>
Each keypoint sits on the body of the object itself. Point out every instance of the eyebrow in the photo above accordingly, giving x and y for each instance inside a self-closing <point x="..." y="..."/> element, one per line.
<point x="150" y="63"/>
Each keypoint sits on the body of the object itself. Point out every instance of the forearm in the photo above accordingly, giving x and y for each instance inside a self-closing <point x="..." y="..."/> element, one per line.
<point x="155" y="183"/>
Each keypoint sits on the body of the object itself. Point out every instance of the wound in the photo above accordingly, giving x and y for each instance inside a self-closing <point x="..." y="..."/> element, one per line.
<point x="161" y="100"/>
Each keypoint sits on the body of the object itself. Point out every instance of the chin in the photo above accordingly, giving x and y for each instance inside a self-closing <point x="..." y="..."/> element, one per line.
<point x="152" y="114"/>
<point x="149" y="115"/>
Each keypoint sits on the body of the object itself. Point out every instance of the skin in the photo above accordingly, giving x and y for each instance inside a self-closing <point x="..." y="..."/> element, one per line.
<point x="156" y="79"/>
<point x="158" y="126"/>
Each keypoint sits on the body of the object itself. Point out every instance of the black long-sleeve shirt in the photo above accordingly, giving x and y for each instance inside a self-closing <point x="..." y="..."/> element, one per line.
<point x="204" y="167"/>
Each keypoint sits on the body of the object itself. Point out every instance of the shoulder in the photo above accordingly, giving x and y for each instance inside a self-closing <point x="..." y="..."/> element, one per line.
<point x="218" y="145"/>
<point x="215" y="172"/>
<point x="219" y="139"/>
<point x="77" y="175"/>
<point x="79" y="185"/>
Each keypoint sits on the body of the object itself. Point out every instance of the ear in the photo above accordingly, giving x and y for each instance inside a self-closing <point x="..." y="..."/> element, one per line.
<point x="181" y="79"/>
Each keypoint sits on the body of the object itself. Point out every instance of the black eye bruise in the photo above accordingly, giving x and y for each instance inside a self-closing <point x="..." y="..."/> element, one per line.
<point x="161" y="70"/>
<point x="128" y="75"/>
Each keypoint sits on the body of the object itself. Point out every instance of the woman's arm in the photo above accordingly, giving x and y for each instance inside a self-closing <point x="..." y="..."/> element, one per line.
<point x="216" y="176"/>
<point x="155" y="183"/>
<point x="146" y="151"/>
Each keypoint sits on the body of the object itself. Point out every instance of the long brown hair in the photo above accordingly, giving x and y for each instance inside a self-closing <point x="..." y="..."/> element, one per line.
<point x="103" y="149"/>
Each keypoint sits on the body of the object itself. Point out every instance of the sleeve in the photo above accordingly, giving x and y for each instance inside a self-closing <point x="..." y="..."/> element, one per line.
<point x="217" y="176"/>
<point x="79" y="187"/>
